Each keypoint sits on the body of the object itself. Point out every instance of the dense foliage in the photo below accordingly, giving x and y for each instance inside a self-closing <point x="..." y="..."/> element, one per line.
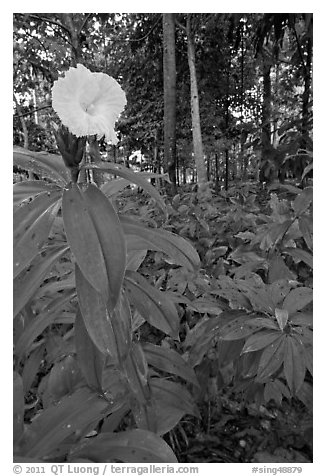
<point x="151" y="327"/>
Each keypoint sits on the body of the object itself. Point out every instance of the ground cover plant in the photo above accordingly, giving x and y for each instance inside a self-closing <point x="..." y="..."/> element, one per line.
<point x="161" y="315"/>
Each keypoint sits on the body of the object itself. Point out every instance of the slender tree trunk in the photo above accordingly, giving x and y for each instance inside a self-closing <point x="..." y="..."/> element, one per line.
<point x="266" y="109"/>
<point x="226" y="183"/>
<point x="76" y="53"/>
<point x="203" y="189"/>
<point x="22" y="122"/>
<point x="31" y="176"/>
<point x="217" y="185"/>
<point x="306" y="97"/>
<point x="169" y="72"/>
<point x="208" y="168"/>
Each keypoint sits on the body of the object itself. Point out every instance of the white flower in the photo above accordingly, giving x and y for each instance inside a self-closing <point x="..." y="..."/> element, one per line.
<point x="88" y="103"/>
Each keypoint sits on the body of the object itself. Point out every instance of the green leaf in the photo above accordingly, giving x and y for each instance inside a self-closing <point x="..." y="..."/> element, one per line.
<point x="264" y="322"/>
<point x="59" y="421"/>
<point x="124" y="172"/>
<point x="96" y="316"/>
<point x="275" y="390"/>
<point x="306" y="228"/>
<point x="83" y="239"/>
<point x="238" y="329"/>
<point x="259" y="297"/>
<point x="297" y="299"/>
<point x="110" y="236"/>
<point x="305" y="394"/>
<point x="28" y="242"/>
<point x="271" y="359"/>
<point x="18" y="407"/>
<point x="302" y="319"/>
<point x="63" y="378"/>
<point x="29" y="188"/>
<point x="133" y="446"/>
<point x="300" y="255"/>
<point x="27" y="283"/>
<point x="152" y="304"/>
<point x="89" y="358"/>
<point x="170" y="394"/>
<point x="169" y="361"/>
<point x="136" y="372"/>
<point x="200" y="337"/>
<point x="116" y="185"/>
<point x="177" y="248"/>
<point x="32" y="366"/>
<point x="282" y="316"/>
<point x="45" y="165"/>
<point x="260" y="340"/>
<point x="303" y="200"/>
<point x="51" y="314"/>
<point x="135" y="259"/>
<point x="307" y="170"/>
<point x="278" y="270"/>
<point x="294" y="363"/>
<point x="275" y="234"/>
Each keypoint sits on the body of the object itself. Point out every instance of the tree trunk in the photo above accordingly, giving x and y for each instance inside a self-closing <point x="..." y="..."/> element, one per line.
<point x="266" y="109"/>
<point x="306" y="97"/>
<point x="217" y="185"/>
<point x="203" y="189"/>
<point x="76" y="53"/>
<point x="31" y="176"/>
<point x="169" y="73"/>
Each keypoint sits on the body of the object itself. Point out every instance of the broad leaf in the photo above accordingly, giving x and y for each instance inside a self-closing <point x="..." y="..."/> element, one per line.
<point x="306" y="228"/>
<point x="83" y="239"/>
<point x="32" y="366"/>
<point x="302" y="319"/>
<point x="59" y="421"/>
<point x="199" y="339"/>
<point x="300" y="255"/>
<point x="96" y="316"/>
<point x="29" y="188"/>
<point x="297" y="299"/>
<point x="305" y="394"/>
<point x="169" y="361"/>
<point x="278" y="270"/>
<point x="294" y="363"/>
<point x="51" y="314"/>
<point x="136" y="373"/>
<point x="264" y="322"/>
<point x="124" y="172"/>
<point x="260" y="340"/>
<point x="29" y="240"/>
<point x="63" y="378"/>
<point x="171" y="394"/>
<point x="133" y="446"/>
<point x="152" y="304"/>
<point x="18" y="407"/>
<point x="276" y="390"/>
<point x="27" y="283"/>
<point x="43" y="164"/>
<point x="114" y="186"/>
<point x="303" y="200"/>
<point x="238" y="329"/>
<point x="271" y="359"/>
<point x="135" y="259"/>
<point x="110" y="236"/>
<point x="282" y="316"/>
<point x="177" y="248"/>
<point x="89" y="358"/>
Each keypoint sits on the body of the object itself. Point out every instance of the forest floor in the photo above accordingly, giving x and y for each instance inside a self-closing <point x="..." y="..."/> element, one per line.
<point x="231" y="430"/>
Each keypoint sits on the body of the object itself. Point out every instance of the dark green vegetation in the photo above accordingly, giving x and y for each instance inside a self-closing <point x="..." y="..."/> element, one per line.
<point x="172" y="327"/>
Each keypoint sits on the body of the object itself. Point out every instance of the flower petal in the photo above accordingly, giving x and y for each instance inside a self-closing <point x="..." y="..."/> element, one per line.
<point x="88" y="103"/>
